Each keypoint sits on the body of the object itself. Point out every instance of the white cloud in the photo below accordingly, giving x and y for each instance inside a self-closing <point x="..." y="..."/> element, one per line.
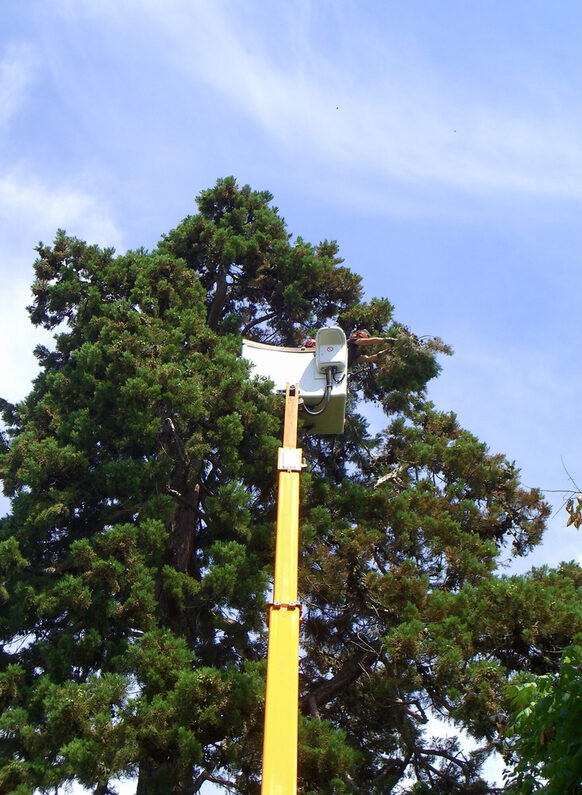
<point x="18" y="338"/>
<point x="30" y="211"/>
<point x="359" y="114"/>
<point x="406" y="125"/>
<point x="17" y="69"/>
<point x="31" y="207"/>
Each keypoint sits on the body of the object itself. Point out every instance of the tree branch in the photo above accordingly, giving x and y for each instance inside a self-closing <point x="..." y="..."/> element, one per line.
<point x="327" y="689"/>
<point x="179" y="497"/>
<point x="262" y="319"/>
<point x="222" y="782"/>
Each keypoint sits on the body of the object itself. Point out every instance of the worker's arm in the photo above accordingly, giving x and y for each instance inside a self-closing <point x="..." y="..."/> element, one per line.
<point x="370" y="340"/>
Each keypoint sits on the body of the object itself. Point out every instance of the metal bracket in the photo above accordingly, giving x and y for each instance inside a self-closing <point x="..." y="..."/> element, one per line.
<point x="283" y="606"/>
<point x="290" y="459"/>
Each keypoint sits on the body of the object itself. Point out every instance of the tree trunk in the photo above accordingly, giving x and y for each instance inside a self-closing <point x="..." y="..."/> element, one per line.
<point x="215" y="309"/>
<point x="158" y="780"/>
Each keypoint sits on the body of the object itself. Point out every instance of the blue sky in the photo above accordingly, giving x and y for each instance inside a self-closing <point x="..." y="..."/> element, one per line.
<point x="439" y="142"/>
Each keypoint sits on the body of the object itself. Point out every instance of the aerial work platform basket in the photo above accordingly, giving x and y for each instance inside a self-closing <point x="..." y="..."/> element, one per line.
<point x="321" y="373"/>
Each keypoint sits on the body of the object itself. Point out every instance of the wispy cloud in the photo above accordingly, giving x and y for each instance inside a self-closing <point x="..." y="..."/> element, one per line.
<point x="33" y="205"/>
<point x="31" y="209"/>
<point x="353" y="112"/>
<point x="18" y="338"/>
<point x="402" y="124"/>
<point x="18" y="65"/>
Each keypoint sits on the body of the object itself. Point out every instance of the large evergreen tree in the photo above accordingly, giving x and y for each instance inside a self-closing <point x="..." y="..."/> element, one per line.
<point x="136" y="559"/>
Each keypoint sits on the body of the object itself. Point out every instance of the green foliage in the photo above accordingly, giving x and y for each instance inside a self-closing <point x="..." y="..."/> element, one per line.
<point x="545" y="732"/>
<point x="135" y="562"/>
<point x="323" y="752"/>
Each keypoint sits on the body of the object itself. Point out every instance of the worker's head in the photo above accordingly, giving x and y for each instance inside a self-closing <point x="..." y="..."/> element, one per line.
<point x="360" y="334"/>
<point x="310" y="343"/>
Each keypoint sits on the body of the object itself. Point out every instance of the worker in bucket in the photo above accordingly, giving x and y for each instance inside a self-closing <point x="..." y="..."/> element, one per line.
<point x="359" y="339"/>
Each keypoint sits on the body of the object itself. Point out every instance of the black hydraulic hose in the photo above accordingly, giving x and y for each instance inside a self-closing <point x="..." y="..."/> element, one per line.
<point x="323" y="408"/>
<point x="329" y="373"/>
<point x="319" y="402"/>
